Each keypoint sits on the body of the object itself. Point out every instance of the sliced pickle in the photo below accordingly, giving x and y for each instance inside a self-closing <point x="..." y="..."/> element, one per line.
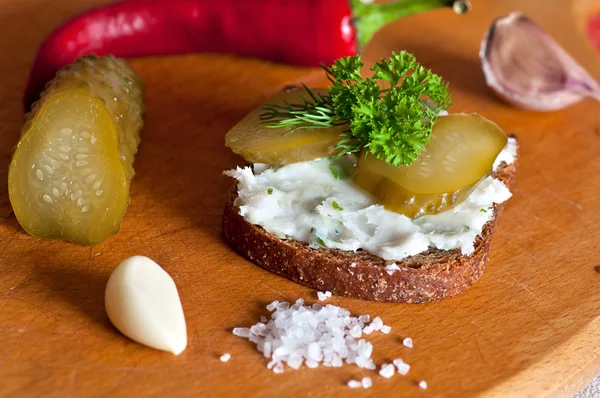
<point x="258" y="144"/>
<point x="461" y="152"/>
<point x="70" y="174"/>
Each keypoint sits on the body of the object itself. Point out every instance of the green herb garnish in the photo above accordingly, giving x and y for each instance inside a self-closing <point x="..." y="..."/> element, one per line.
<point x="270" y="191"/>
<point x="339" y="168"/>
<point x="334" y="172"/>
<point x="483" y="210"/>
<point x="337" y="171"/>
<point x="390" y="114"/>
<point x="335" y="205"/>
<point x="321" y="242"/>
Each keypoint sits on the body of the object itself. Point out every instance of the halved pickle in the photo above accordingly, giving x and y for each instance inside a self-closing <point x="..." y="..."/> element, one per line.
<point x="461" y="152"/>
<point x="70" y="174"/>
<point x="258" y="144"/>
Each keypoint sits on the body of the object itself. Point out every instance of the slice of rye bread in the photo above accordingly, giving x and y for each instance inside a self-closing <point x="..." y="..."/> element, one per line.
<point x="429" y="276"/>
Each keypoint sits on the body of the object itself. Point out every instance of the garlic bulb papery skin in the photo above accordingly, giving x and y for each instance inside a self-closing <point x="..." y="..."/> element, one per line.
<point x="526" y="67"/>
<point x="142" y="301"/>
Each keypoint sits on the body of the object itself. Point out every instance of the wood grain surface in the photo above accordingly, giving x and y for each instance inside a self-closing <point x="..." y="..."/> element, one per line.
<point x="529" y="327"/>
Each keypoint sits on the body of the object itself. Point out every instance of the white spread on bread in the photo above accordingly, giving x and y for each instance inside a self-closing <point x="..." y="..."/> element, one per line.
<point x="305" y="202"/>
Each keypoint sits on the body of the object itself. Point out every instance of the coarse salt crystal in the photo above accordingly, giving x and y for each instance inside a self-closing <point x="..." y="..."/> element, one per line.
<point x="391" y="268"/>
<point x="368" y="329"/>
<point x="402" y="367"/>
<point x="364" y="348"/>
<point x="385" y="329"/>
<point x="387" y="370"/>
<point x="337" y="362"/>
<point x="241" y="332"/>
<point x="295" y="361"/>
<point x="376" y="324"/>
<point x="423" y="384"/>
<point x="328" y="293"/>
<point x="356" y="331"/>
<point x="354" y="384"/>
<point x="367" y="382"/>
<point x="278" y="368"/>
<point x="314" y="351"/>
<point x="267" y="349"/>
<point x="264" y="319"/>
<point x="353" y="265"/>
<point x="273" y="305"/>
<point x="408" y="342"/>
<point x="321" y="296"/>
<point x="364" y="318"/>
<point x="225" y="357"/>
<point x="361" y="362"/>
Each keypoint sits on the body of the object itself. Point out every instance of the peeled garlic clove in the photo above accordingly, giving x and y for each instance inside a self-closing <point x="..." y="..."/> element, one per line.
<point x="141" y="300"/>
<point x="525" y="66"/>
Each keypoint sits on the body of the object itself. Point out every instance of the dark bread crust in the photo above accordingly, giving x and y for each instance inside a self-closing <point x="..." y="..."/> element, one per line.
<point x="428" y="276"/>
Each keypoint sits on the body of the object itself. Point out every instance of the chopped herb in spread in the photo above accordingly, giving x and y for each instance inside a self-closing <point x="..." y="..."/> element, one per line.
<point x="338" y="171"/>
<point x="270" y="191"/>
<point x="336" y="206"/>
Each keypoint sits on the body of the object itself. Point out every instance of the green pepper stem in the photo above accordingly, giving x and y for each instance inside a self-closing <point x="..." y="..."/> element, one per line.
<point x="369" y="18"/>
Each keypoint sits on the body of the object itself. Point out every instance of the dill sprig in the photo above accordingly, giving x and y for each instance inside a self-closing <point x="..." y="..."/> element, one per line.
<point x="389" y="114"/>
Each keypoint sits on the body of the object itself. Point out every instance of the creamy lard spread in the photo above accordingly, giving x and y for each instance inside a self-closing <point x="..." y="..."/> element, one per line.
<point x="306" y="202"/>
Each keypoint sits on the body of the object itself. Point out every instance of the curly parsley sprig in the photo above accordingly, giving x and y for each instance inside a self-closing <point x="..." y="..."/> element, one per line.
<point x="390" y="114"/>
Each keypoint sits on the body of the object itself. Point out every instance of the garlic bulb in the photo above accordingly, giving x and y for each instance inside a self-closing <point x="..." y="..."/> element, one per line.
<point x="525" y="66"/>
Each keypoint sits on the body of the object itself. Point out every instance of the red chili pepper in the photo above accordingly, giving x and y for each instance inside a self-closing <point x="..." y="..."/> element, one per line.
<point x="299" y="32"/>
<point x="593" y="30"/>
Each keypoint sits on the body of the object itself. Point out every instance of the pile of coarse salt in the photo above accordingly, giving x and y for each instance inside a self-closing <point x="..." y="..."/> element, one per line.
<point x="312" y="335"/>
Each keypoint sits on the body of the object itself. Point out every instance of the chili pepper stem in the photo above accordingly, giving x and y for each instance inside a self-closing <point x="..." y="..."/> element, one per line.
<point x="369" y="18"/>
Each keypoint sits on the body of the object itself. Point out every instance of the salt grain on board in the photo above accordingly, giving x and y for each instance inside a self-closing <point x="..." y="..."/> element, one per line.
<point x="408" y="342"/>
<point x="323" y="296"/>
<point x="241" y="332"/>
<point x="354" y="384"/>
<point x="376" y="324"/>
<point x="225" y="357"/>
<point x="387" y="370"/>
<point x="385" y="329"/>
<point x="402" y="367"/>
<point x="423" y="384"/>
<point x="367" y="382"/>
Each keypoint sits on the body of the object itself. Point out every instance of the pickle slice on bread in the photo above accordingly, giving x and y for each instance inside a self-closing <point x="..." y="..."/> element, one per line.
<point x="257" y="143"/>
<point x="461" y="152"/>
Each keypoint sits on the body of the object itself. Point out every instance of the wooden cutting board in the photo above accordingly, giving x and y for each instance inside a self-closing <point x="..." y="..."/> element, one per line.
<point x="529" y="327"/>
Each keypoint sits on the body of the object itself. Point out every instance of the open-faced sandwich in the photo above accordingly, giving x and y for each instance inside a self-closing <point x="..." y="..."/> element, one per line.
<point x="369" y="189"/>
